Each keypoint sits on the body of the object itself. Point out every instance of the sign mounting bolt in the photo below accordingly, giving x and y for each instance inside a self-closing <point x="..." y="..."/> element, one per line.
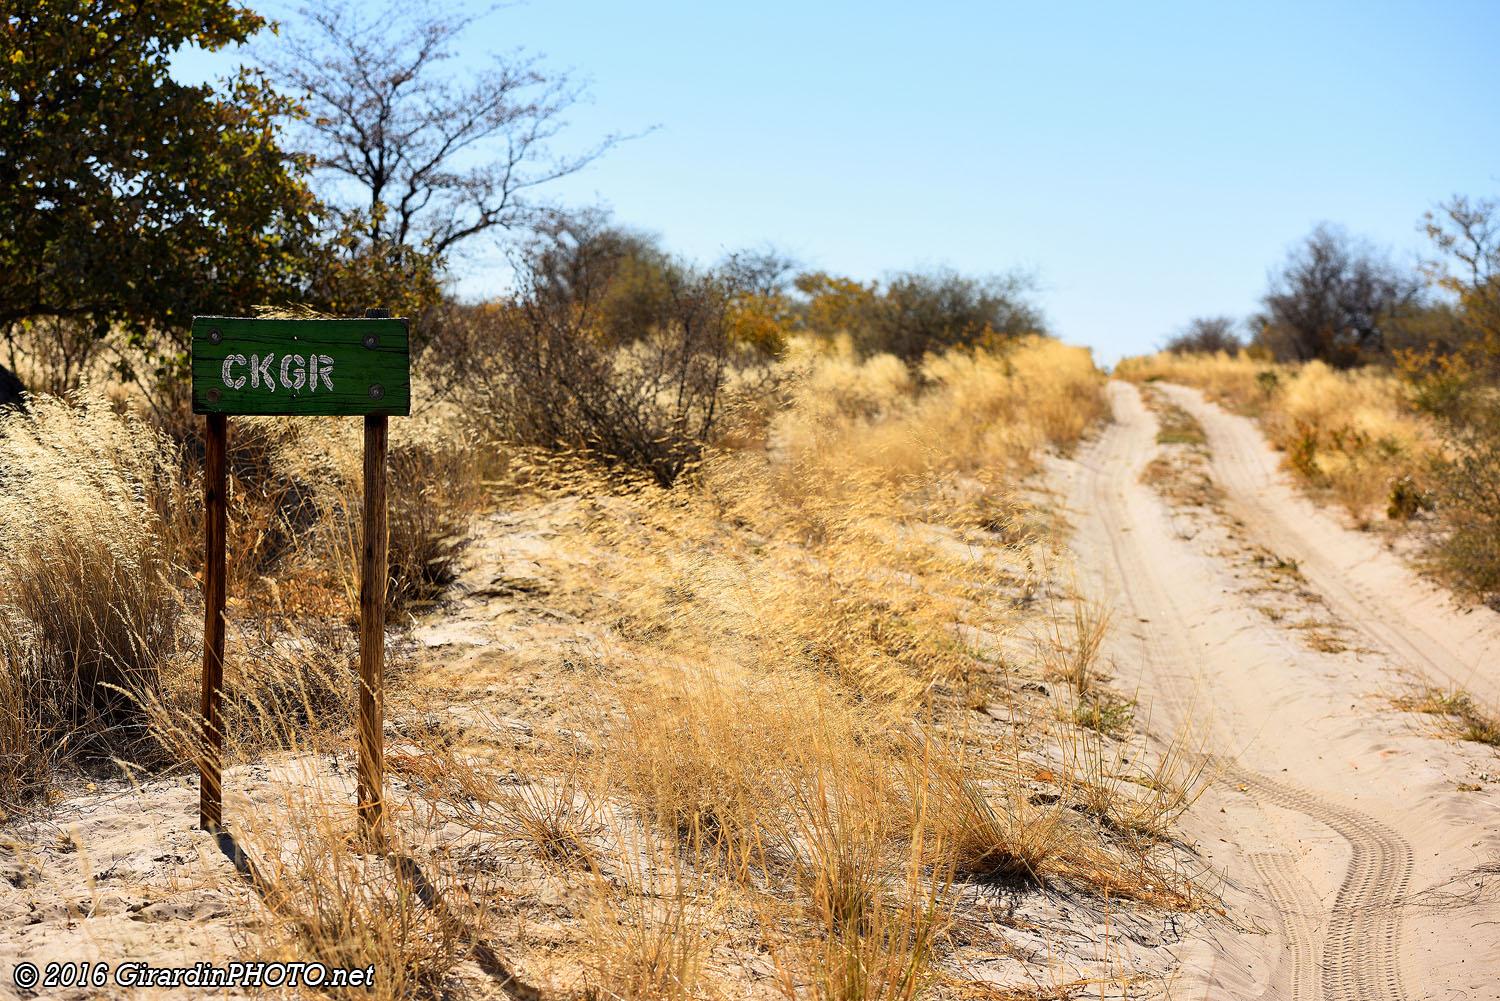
<point x="377" y="391"/>
<point x="372" y="340"/>
<point x="213" y="395"/>
<point x="215" y="335"/>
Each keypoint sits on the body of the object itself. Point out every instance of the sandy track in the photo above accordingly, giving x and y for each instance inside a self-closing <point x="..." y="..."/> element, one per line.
<point x="1403" y="614"/>
<point x="1323" y="791"/>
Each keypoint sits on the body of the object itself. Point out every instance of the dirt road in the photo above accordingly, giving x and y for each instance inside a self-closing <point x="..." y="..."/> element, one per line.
<point x="1359" y="855"/>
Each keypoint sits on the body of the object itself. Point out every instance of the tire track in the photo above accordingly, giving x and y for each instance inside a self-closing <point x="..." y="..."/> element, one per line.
<point x="1349" y="951"/>
<point x="1367" y="586"/>
<point x="1292" y="897"/>
<point x="1362" y="948"/>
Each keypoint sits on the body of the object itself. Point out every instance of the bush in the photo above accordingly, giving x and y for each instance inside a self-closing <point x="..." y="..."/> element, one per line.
<point x="1468" y="497"/>
<point x="1207" y="335"/>
<point x="929" y="312"/>
<point x="609" y="349"/>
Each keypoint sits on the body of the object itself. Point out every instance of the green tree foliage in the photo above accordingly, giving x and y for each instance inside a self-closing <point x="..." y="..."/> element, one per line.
<point x="1454" y="374"/>
<point x="126" y="196"/>
<point x="933" y="311"/>
<point x="345" y="273"/>
<point x="918" y="311"/>
<point x="1467" y="475"/>
<point x="833" y="305"/>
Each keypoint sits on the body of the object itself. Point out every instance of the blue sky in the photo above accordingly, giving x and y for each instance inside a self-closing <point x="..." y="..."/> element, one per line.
<point x="1149" y="162"/>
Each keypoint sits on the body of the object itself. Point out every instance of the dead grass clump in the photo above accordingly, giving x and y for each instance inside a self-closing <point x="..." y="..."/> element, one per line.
<point x="700" y="751"/>
<point x="1132" y="791"/>
<point x="1016" y="841"/>
<point x="651" y="928"/>
<point x="90" y="612"/>
<point x="1070" y="647"/>
<point x="414" y="915"/>
<point x="875" y="910"/>
<point x="1468" y="719"/>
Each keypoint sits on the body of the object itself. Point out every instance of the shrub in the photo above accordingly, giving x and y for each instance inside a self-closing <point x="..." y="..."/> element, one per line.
<point x="316" y="470"/>
<point x="1468" y="496"/>
<point x="930" y="312"/>
<point x="1207" y="335"/>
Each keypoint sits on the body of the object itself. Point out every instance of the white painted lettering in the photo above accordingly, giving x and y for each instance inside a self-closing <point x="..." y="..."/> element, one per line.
<point x="230" y="380"/>
<point x="326" y="371"/>
<point x="287" y="379"/>
<point x="260" y="368"/>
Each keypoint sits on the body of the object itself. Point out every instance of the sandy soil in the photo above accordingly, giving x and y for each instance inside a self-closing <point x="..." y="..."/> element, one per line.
<point x="1356" y="847"/>
<point x="118" y="871"/>
<point x="1360" y="856"/>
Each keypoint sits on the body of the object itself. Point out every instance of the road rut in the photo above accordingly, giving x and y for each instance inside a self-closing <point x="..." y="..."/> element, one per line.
<point x="1320" y="789"/>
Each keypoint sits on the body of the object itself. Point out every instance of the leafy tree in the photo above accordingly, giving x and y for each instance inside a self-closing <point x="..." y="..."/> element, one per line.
<point x="835" y="305"/>
<point x="126" y="196"/>
<point x="1206" y="335"/>
<point x="762" y="312"/>
<point x="918" y="312"/>
<point x="345" y="274"/>
<point x="621" y="278"/>
<point x="1333" y="300"/>
<point x="925" y="312"/>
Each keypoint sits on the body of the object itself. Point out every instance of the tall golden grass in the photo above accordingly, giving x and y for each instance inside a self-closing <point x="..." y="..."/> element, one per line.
<point x="91" y="612"/>
<point x="101" y="541"/>
<point x="797" y="635"/>
<point x="1351" y="434"/>
<point x="781" y="750"/>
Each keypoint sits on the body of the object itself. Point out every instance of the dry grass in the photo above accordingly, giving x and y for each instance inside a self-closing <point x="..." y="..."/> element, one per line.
<point x="1467" y="718"/>
<point x="1350" y="434"/>
<point x="100" y="542"/>
<point x="650" y="928"/>
<point x="1238" y="381"/>
<point x="775" y="753"/>
<point x="1069" y="647"/>
<point x="91" y="610"/>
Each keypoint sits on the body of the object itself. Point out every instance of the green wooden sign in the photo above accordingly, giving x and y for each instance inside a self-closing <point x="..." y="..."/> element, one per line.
<point x="305" y="367"/>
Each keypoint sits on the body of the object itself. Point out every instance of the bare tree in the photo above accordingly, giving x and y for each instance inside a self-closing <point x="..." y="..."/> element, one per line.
<point x="1206" y="335"/>
<point x="437" y="158"/>
<point x="1333" y="299"/>
<point x="1470" y="235"/>
<point x="764" y="271"/>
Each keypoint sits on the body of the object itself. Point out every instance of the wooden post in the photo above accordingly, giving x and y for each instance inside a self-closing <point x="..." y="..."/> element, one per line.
<point x="314" y="367"/>
<point x="210" y="806"/>
<point x="372" y="584"/>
